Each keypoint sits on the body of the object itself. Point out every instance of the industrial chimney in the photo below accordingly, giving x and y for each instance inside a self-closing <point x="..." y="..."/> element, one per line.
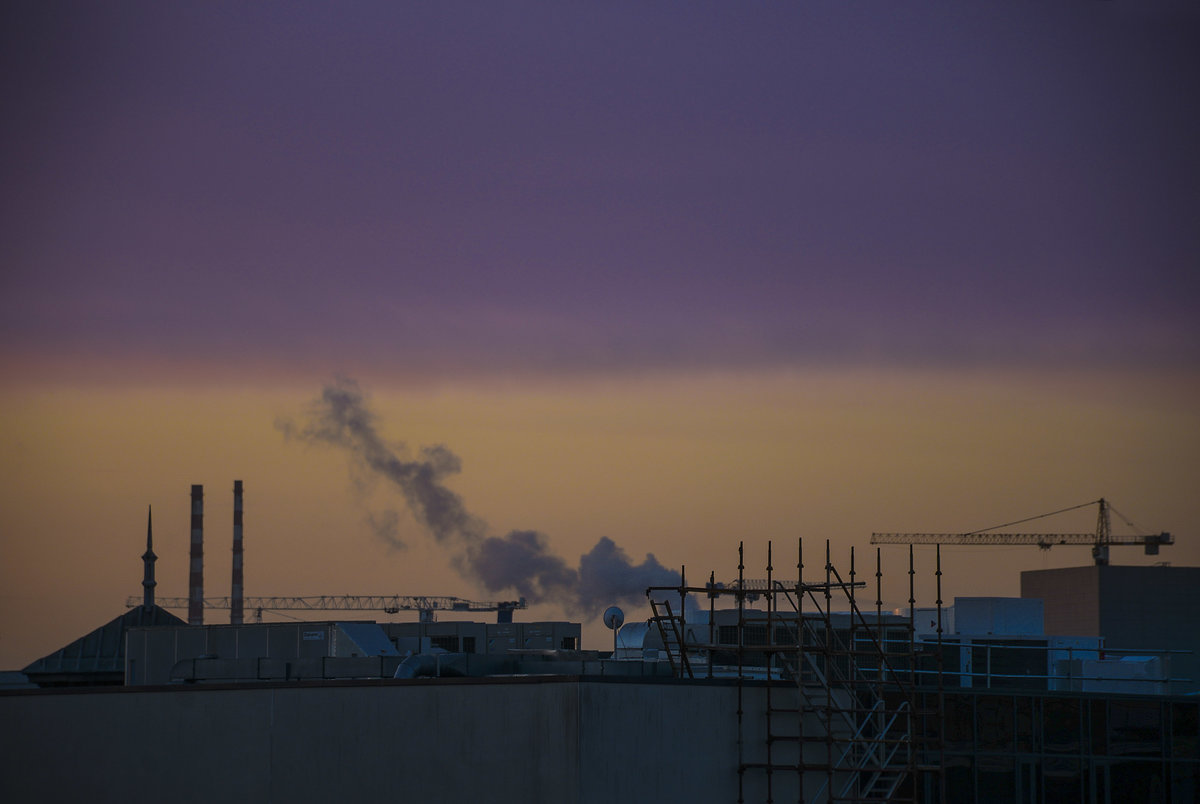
<point x="236" y="597"/>
<point x="196" y="575"/>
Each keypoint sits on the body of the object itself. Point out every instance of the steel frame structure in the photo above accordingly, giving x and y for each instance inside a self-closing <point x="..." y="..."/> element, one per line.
<point x="842" y="701"/>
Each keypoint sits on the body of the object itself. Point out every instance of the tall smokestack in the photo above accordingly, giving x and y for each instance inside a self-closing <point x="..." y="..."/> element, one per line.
<point x="236" y="602"/>
<point x="196" y="576"/>
<point x="148" y="559"/>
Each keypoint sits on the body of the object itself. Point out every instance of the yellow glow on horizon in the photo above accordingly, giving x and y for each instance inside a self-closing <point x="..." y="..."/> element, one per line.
<point x="683" y="467"/>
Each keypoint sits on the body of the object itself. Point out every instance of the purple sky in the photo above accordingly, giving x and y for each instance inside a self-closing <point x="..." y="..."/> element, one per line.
<point x="252" y="198"/>
<point x="436" y="186"/>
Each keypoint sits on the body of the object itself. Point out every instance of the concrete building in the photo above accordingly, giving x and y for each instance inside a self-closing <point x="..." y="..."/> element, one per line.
<point x="1136" y="610"/>
<point x="305" y="651"/>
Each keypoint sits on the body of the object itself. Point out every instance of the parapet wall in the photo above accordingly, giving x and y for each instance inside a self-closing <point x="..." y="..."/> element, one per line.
<point x="464" y="740"/>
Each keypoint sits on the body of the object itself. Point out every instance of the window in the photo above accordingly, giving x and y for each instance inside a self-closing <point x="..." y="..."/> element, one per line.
<point x="960" y="786"/>
<point x="1061" y="725"/>
<point x="994" y="721"/>
<point x="1024" y="732"/>
<point x="1137" y="780"/>
<point x="927" y="718"/>
<point x="468" y="644"/>
<point x="756" y="634"/>
<point x="1063" y="782"/>
<point x="996" y="779"/>
<point x="960" y="726"/>
<point x="1099" y="712"/>
<point x="1135" y="728"/>
<point x="1185" y="781"/>
<point x="447" y="643"/>
<point x="1185" y="730"/>
<point x="951" y="662"/>
<point x="997" y="662"/>
<point x="896" y="640"/>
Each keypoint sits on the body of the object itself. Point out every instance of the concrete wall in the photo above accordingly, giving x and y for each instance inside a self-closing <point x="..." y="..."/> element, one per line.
<point x="504" y="740"/>
<point x="1152" y="608"/>
<point x="1071" y="599"/>
<point x="472" y="740"/>
<point x="151" y="653"/>
<point x="629" y="725"/>
<point x="998" y="615"/>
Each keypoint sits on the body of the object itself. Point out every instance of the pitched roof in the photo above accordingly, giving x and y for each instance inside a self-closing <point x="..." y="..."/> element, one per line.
<point x="102" y="650"/>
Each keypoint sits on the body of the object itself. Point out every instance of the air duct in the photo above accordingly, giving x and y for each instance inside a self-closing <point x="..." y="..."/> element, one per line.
<point x="432" y="665"/>
<point x="236" y="602"/>
<point x="196" y="574"/>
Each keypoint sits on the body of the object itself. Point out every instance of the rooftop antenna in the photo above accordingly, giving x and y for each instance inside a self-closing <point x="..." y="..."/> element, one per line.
<point x="614" y="618"/>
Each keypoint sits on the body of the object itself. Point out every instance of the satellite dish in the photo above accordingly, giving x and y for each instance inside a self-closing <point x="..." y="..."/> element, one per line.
<point x="613" y="617"/>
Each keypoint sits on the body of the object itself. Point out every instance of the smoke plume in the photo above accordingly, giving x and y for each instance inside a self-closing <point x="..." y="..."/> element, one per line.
<point x="519" y="562"/>
<point x="386" y="525"/>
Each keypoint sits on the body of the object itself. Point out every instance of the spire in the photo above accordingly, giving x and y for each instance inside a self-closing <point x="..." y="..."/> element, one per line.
<point x="148" y="559"/>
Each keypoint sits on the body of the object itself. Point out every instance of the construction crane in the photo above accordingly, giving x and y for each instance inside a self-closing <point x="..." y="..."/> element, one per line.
<point x="390" y="604"/>
<point x="1100" y="540"/>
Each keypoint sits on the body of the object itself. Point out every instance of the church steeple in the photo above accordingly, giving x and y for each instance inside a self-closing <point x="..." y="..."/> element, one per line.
<point x="148" y="559"/>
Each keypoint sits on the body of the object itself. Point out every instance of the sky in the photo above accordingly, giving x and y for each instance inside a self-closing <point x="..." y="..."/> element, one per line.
<point x="659" y="276"/>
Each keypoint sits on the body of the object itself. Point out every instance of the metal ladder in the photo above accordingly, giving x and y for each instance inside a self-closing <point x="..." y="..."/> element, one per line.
<point x="671" y="631"/>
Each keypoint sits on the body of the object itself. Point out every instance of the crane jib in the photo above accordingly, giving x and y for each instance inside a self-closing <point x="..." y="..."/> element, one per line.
<point x="1039" y="539"/>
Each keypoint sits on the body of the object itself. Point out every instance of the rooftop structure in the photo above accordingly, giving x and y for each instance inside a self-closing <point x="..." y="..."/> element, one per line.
<point x="98" y="657"/>
<point x="428" y="606"/>
<point x="1134" y="609"/>
<point x="295" y="651"/>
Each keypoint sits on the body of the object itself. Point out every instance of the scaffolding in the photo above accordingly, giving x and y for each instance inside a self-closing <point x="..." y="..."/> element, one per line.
<point x="834" y="703"/>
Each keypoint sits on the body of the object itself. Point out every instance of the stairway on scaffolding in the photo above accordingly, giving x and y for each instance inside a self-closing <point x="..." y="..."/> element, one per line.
<point x="845" y="724"/>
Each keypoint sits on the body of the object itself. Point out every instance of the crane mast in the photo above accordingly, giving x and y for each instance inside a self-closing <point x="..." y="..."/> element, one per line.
<point x="1100" y="540"/>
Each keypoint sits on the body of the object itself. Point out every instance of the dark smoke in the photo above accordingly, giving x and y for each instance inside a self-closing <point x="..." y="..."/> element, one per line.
<point x="606" y="567"/>
<point x="386" y="525"/>
<point x="340" y="418"/>
<point x="520" y="562"/>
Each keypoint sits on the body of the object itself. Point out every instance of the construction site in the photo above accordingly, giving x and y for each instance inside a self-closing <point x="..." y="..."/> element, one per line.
<point x="785" y="678"/>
